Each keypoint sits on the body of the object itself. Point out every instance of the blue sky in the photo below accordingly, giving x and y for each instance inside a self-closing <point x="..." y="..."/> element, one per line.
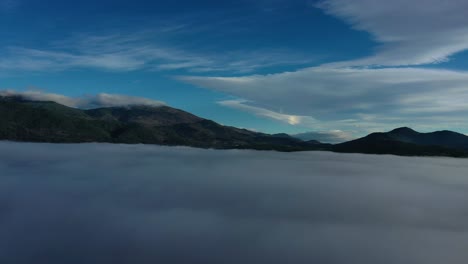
<point x="338" y="67"/>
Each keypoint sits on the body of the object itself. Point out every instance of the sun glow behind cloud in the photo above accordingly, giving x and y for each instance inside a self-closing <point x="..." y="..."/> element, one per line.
<point x="262" y="112"/>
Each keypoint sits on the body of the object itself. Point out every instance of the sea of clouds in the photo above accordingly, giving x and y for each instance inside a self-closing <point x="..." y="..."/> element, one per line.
<point x="103" y="203"/>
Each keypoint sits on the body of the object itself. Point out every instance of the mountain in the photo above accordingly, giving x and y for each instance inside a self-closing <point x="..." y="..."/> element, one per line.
<point x="44" y="121"/>
<point x="41" y="121"/>
<point x="147" y="116"/>
<point x="333" y="137"/>
<point x="444" y="138"/>
<point x="407" y="142"/>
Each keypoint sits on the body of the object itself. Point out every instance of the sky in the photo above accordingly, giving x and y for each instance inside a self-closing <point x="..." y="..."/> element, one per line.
<point x="336" y="68"/>
<point x="110" y="203"/>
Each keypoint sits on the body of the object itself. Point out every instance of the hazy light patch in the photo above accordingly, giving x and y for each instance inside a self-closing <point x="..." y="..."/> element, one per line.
<point x="293" y="120"/>
<point x="333" y="136"/>
<point x="101" y="203"/>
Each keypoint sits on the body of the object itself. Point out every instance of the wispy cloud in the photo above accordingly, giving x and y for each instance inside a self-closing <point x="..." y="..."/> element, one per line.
<point x="409" y="32"/>
<point x="371" y="97"/>
<point x="138" y="51"/>
<point x="356" y="94"/>
<point x="87" y="101"/>
<point x="262" y="112"/>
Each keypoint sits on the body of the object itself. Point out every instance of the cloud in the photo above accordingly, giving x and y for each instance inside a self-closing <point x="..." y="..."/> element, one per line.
<point x="356" y="96"/>
<point x="333" y="136"/>
<point x="138" y="51"/>
<point x="86" y="102"/>
<point x="408" y="32"/>
<point x="262" y="112"/>
<point x="149" y="204"/>
<point x="46" y="60"/>
<point x="341" y="97"/>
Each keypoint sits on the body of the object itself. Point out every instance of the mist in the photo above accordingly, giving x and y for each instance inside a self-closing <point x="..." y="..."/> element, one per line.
<point x="104" y="203"/>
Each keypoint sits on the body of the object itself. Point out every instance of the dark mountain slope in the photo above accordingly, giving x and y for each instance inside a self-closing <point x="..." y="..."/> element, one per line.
<point x="48" y="121"/>
<point x="144" y="115"/>
<point x="23" y="120"/>
<point x="444" y="138"/>
<point x="396" y="144"/>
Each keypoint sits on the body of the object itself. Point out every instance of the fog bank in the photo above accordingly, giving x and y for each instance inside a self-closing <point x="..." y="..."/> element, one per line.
<point x="103" y="203"/>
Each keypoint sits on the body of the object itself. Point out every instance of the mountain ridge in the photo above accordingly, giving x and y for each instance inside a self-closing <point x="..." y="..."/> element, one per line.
<point x="407" y="142"/>
<point x="48" y="121"/>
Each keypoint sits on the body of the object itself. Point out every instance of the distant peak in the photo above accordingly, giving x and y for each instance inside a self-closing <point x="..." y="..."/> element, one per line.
<point x="313" y="141"/>
<point x="403" y="130"/>
<point x="282" y="135"/>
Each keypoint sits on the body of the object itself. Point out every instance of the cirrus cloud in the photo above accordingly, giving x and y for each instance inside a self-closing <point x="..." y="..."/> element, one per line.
<point x="338" y="97"/>
<point x="408" y="32"/>
<point x="138" y="51"/>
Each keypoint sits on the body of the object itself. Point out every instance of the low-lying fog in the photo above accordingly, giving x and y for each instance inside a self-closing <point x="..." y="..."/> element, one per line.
<point x="101" y="203"/>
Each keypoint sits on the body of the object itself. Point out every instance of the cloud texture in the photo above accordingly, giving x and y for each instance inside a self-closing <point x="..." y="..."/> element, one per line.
<point x="262" y="112"/>
<point x="138" y="52"/>
<point x="409" y="32"/>
<point x="99" y="203"/>
<point x="384" y="87"/>
<point x="371" y="98"/>
<point x="88" y="101"/>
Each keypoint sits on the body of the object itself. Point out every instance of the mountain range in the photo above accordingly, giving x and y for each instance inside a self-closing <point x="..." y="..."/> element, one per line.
<point x="47" y="121"/>
<point x="406" y="142"/>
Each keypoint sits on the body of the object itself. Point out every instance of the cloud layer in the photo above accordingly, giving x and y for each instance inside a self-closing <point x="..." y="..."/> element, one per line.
<point x="409" y="32"/>
<point x="370" y="98"/>
<point x="99" y="203"/>
<point x="85" y="102"/>
<point x="358" y="97"/>
<point x="138" y="51"/>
